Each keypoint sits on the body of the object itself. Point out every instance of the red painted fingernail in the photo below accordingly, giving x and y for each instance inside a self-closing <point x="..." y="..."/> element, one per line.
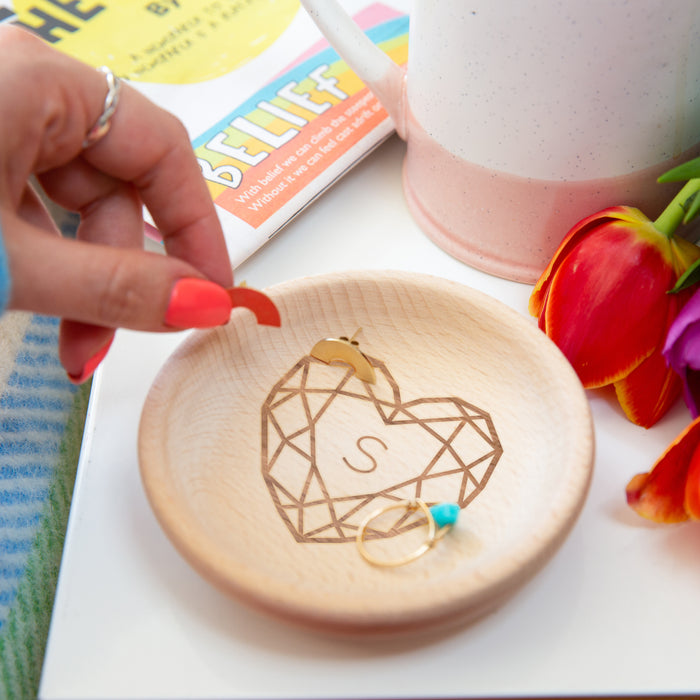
<point x="91" y="365"/>
<point x="197" y="303"/>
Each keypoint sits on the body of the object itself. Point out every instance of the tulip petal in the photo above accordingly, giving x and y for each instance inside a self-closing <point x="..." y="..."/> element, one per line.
<point x="653" y="503"/>
<point x="685" y="255"/>
<point x="605" y="322"/>
<point x="647" y="392"/>
<point x="682" y="350"/>
<point x="690" y="379"/>
<point x="660" y="494"/>
<point x="691" y="391"/>
<point x="575" y="235"/>
<point x="692" y="488"/>
<point x="685" y="350"/>
<point x="688" y="316"/>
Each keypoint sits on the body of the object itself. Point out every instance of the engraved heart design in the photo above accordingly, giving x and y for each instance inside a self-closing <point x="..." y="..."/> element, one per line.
<point x="335" y="448"/>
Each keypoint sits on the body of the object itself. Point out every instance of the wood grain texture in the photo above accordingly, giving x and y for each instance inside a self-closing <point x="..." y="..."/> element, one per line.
<point x="260" y="461"/>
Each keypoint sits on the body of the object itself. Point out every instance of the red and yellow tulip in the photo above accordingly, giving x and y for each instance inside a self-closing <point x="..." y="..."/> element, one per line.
<point x="670" y="492"/>
<point x="604" y="300"/>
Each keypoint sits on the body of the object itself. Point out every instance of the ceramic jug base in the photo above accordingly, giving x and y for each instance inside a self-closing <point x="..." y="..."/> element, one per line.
<point x="510" y="226"/>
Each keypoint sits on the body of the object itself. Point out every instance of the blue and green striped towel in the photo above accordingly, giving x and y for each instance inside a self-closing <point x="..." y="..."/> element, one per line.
<point x="41" y="425"/>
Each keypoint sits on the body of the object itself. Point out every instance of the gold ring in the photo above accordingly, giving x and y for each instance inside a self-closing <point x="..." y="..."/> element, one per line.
<point x="440" y="519"/>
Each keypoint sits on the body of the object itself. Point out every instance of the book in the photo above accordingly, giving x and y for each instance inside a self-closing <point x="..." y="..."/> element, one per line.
<point x="274" y="115"/>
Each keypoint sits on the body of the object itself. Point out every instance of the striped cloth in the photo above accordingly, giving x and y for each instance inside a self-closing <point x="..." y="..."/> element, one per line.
<point x="41" y="427"/>
<point x="41" y="424"/>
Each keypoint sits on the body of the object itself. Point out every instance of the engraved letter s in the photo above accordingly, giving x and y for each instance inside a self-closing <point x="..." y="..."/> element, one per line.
<point x="364" y="452"/>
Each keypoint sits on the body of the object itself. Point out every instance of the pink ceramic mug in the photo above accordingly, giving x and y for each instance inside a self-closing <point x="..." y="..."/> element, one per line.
<point x="524" y="116"/>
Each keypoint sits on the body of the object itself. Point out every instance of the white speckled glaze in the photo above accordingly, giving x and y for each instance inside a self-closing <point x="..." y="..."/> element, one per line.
<point x="557" y="90"/>
<point x="523" y="116"/>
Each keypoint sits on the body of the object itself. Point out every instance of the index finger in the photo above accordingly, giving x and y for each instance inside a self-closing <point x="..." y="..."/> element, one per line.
<point x="150" y="148"/>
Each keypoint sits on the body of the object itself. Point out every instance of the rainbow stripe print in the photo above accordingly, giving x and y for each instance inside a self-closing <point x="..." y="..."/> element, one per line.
<point x="276" y="143"/>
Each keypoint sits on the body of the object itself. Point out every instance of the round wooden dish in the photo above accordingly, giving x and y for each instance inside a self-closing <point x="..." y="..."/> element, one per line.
<point x="261" y="461"/>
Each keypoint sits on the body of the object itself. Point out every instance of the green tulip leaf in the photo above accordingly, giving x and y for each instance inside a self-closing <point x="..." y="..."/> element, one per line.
<point x="692" y="208"/>
<point x="684" y="171"/>
<point x="690" y="277"/>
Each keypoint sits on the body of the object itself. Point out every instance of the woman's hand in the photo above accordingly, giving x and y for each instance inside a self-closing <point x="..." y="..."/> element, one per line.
<point x="104" y="279"/>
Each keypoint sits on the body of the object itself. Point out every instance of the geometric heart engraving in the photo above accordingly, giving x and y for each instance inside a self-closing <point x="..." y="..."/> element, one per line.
<point x="335" y="448"/>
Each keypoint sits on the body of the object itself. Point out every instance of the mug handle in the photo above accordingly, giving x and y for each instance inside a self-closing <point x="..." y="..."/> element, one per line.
<point x="382" y="76"/>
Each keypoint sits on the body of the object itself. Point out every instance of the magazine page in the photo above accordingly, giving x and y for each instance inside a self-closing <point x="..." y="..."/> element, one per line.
<point x="274" y="115"/>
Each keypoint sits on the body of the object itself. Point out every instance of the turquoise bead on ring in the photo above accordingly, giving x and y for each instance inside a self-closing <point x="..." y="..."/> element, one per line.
<point x="440" y="519"/>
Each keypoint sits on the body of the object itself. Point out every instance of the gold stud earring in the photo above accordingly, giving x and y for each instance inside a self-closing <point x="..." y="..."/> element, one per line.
<point x="345" y="350"/>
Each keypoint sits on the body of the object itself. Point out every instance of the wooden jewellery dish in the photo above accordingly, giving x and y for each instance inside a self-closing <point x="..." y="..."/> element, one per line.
<point x="301" y="482"/>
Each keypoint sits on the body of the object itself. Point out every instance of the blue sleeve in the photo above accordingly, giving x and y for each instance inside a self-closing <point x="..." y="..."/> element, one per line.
<point x="4" y="276"/>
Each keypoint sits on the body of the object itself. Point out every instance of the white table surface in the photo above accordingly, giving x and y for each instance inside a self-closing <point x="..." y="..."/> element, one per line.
<point x="616" y="611"/>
